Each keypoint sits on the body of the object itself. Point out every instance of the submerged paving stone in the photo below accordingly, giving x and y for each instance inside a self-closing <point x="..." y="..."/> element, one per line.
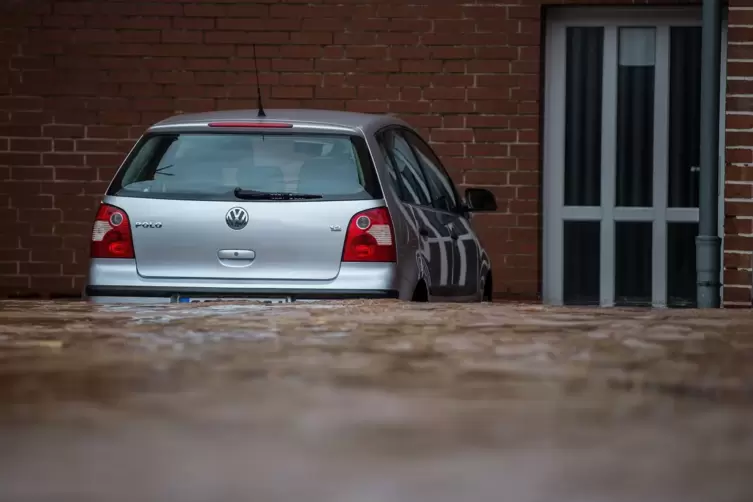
<point x="374" y="401"/>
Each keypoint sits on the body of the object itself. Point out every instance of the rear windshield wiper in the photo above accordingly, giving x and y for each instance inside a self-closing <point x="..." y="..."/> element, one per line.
<point x="258" y="195"/>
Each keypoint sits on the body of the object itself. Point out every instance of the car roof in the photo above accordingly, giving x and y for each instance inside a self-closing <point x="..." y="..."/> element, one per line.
<point x="367" y="122"/>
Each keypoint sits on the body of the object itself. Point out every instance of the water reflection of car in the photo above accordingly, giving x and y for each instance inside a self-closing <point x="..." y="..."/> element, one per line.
<point x="299" y="204"/>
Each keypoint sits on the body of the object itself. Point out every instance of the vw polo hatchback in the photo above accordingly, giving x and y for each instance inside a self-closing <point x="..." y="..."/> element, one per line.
<point x="295" y="204"/>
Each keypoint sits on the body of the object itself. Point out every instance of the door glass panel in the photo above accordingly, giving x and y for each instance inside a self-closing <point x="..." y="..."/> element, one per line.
<point x="581" y="262"/>
<point x="413" y="184"/>
<point x="635" y="116"/>
<point x="396" y="179"/>
<point x="583" y="94"/>
<point x="440" y="185"/>
<point x="684" y="116"/>
<point x="681" y="274"/>
<point x="633" y="243"/>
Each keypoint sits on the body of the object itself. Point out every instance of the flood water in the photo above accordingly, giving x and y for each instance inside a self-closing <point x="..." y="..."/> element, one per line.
<point x="374" y="402"/>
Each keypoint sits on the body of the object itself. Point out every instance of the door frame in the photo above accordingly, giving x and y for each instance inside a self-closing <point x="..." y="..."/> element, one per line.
<point x="554" y="210"/>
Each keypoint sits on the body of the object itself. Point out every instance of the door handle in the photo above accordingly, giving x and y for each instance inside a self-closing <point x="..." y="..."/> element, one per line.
<point x="236" y="254"/>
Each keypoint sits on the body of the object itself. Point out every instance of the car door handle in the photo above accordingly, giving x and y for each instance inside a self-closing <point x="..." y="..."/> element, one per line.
<point x="236" y="254"/>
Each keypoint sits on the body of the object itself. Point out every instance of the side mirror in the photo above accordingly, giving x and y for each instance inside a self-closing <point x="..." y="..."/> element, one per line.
<point x="480" y="199"/>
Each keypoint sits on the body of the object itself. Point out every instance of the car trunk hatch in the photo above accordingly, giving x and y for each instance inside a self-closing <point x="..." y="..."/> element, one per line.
<point x="232" y="204"/>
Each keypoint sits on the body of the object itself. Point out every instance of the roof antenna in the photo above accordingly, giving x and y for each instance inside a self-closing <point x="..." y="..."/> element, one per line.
<point x="258" y="87"/>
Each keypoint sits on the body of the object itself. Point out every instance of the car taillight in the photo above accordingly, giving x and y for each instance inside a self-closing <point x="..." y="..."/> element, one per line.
<point x="111" y="235"/>
<point x="370" y="237"/>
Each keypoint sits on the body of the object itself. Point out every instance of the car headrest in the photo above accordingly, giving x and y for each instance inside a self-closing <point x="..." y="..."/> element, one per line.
<point x="329" y="175"/>
<point x="265" y="178"/>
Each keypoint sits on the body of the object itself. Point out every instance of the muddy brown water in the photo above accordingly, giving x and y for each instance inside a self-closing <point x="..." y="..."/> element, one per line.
<point x="374" y="402"/>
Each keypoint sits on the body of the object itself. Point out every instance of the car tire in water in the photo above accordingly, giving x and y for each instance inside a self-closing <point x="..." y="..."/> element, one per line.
<point x="488" y="288"/>
<point x="420" y="294"/>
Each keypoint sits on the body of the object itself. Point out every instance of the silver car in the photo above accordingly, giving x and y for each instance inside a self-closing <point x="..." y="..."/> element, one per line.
<point x="290" y="205"/>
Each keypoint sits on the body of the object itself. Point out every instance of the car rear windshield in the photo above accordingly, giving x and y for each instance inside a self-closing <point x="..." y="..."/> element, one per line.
<point x="213" y="166"/>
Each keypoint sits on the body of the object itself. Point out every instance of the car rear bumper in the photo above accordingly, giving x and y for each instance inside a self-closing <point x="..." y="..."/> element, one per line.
<point x="114" y="293"/>
<point x="114" y="280"/>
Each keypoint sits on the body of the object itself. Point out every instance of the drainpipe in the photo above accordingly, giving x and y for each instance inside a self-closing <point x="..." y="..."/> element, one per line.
<point x="708" y="243"/>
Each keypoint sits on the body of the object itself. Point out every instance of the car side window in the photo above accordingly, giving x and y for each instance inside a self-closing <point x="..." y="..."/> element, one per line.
<point x="414" y="189"/>
<point x="443" y="193"/>
<point x="395" y="178"/>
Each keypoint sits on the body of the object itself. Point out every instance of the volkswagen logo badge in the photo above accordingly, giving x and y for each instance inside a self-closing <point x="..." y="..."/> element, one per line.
<point x="236" y="218"/>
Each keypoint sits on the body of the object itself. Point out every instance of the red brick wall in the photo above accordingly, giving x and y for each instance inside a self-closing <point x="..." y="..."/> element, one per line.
<point x="83" y="79"/>
<point x="738" y="189"/>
